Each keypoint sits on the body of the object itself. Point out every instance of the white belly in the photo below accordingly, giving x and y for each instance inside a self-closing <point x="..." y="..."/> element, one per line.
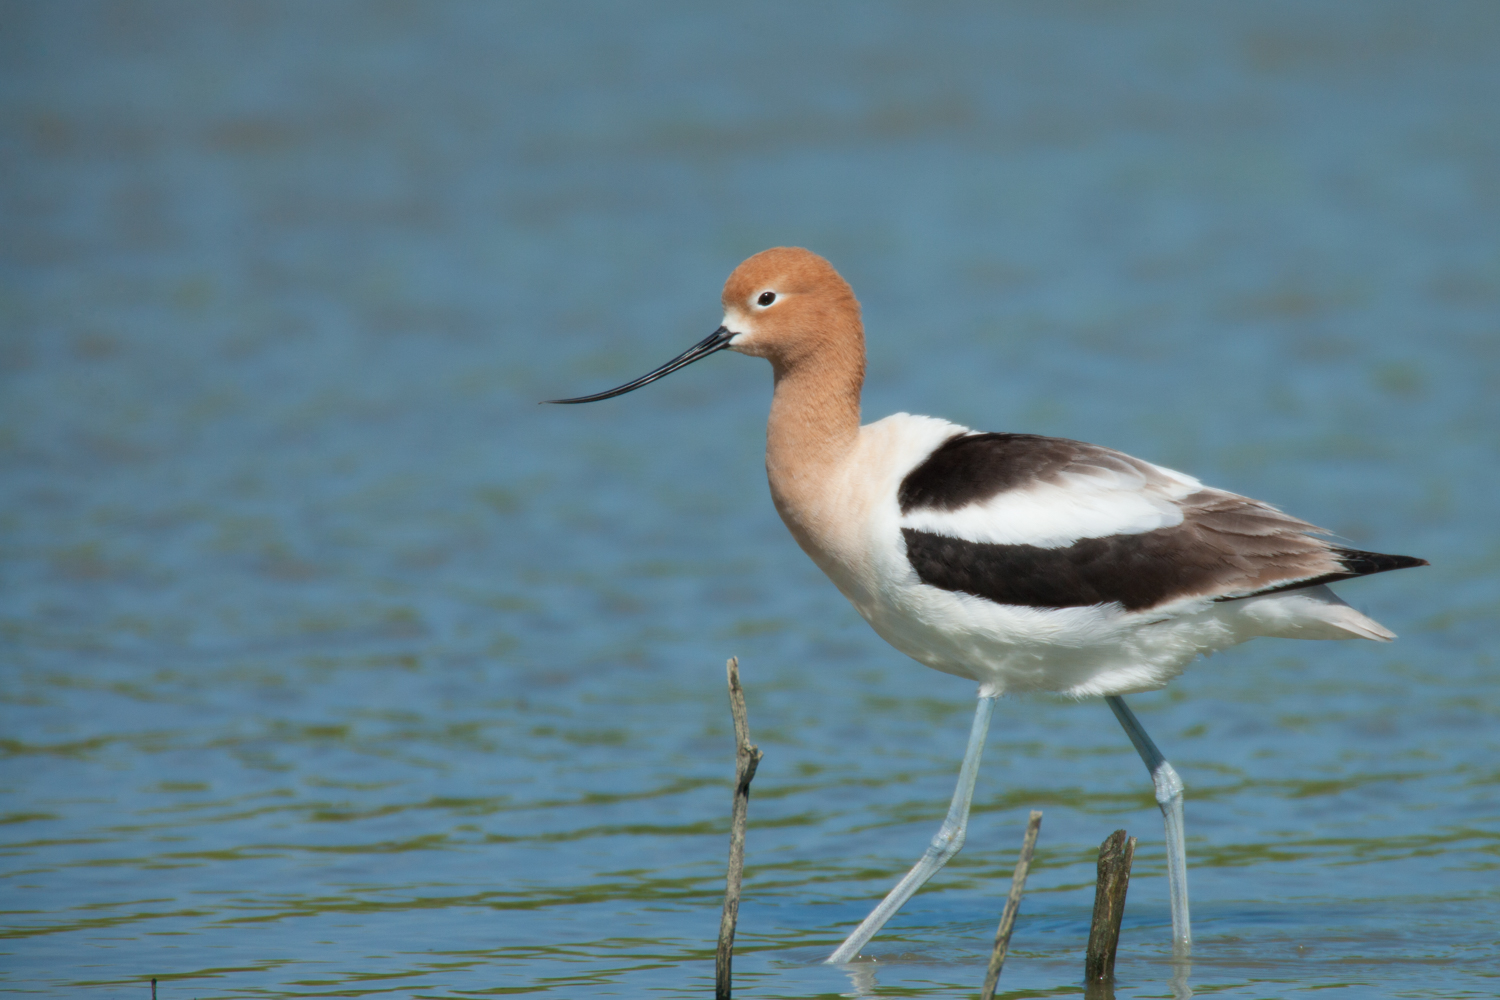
<point x="1084" y="651"/>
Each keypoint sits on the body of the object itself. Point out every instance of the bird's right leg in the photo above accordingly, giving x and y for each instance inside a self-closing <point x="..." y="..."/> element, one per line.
<point x="1169" y="796"/>
<point x="949" y="839"/>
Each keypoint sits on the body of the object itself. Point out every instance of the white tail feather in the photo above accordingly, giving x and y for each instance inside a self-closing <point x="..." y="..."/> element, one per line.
<point x="1310" y="613"/>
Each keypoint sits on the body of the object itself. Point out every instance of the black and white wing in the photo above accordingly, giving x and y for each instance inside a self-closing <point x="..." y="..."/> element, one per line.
<point x="1044" y="522"/>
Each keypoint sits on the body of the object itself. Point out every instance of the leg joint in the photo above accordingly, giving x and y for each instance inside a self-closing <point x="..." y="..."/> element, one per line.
<point x="948" y="842"/>
<point x="1168" y="785"/>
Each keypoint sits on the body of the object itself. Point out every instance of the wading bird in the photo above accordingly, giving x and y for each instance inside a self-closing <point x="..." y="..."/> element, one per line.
<point x="1022" y="562"/>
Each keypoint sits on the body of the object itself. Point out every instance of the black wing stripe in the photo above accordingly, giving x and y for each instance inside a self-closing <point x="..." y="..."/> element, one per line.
<point x="971" y="468"/>
<point x="1137" y="571"/>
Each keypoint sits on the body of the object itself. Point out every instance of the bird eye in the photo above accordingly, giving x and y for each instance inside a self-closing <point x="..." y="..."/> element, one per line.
<point x="766" y="298"/>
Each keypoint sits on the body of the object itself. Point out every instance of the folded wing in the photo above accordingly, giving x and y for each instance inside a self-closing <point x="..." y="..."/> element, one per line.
<point x="1044" y="522"/>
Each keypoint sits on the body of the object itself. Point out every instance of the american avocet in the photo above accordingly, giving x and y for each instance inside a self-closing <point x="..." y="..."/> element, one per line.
<point x="1023" y="562"/>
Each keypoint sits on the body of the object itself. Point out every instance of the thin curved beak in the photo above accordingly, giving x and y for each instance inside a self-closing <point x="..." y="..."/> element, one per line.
<point x="716" y="341"/>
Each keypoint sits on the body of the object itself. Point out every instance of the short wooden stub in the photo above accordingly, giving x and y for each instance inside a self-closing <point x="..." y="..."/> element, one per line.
<point x="1012" y="907"/>
<point x="1115" y="856"/>
<point x="746" y="760"/>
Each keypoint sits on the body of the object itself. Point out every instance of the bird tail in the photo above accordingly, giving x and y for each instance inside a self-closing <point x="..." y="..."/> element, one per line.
<point x="1309" y="613"/>
<point x="1357" y="625"/>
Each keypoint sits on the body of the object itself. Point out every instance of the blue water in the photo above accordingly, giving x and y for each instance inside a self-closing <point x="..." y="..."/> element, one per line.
<point x="335" y="666"/>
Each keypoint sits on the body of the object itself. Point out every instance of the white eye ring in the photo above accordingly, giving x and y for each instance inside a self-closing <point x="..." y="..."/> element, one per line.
<point x="765" y="299"/>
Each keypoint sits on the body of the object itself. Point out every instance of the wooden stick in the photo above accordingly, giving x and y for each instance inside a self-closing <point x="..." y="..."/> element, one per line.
<point x="746" y="760"/>
<point x="1115" y="856"/>
<point x="1012" y="907"/>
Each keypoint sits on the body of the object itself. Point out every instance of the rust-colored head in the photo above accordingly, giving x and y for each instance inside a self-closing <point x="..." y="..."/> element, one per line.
<point x="788" y="304"/>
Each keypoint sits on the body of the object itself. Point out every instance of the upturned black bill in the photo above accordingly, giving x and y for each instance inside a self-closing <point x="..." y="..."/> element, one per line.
<point x="716" y="341"/>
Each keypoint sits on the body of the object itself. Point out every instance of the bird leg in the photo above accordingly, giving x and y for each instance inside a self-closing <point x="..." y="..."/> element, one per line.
<point x="1169" y="796"/>
<point x="948" y="842"/>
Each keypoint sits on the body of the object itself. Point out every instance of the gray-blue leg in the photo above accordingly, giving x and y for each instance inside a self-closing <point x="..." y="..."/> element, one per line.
<point x="948" y="842"/>
<point x="1169" y="797"/>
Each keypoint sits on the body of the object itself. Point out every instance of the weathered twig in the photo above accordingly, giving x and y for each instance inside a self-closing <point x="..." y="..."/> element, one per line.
<point x="1115" y="856"/>
<point x="746" y="760"/>
<point x="1012" y="906"/>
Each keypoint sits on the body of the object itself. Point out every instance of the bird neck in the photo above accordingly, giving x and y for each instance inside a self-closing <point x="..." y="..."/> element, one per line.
<point x="811" y="434"/>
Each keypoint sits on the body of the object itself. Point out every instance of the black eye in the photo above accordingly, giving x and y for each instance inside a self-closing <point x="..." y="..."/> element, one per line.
<point x="766" y="298"/>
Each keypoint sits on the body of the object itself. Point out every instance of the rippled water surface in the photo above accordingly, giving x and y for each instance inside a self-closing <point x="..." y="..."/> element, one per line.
<point x="335" y="666"/>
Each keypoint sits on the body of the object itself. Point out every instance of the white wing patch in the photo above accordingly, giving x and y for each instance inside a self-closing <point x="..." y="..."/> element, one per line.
<point x="1085" y="501"/>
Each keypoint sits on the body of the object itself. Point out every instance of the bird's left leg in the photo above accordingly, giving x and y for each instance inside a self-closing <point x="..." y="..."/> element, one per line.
<point x="949" y="839"/>
<point x="1169" y="796"/>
